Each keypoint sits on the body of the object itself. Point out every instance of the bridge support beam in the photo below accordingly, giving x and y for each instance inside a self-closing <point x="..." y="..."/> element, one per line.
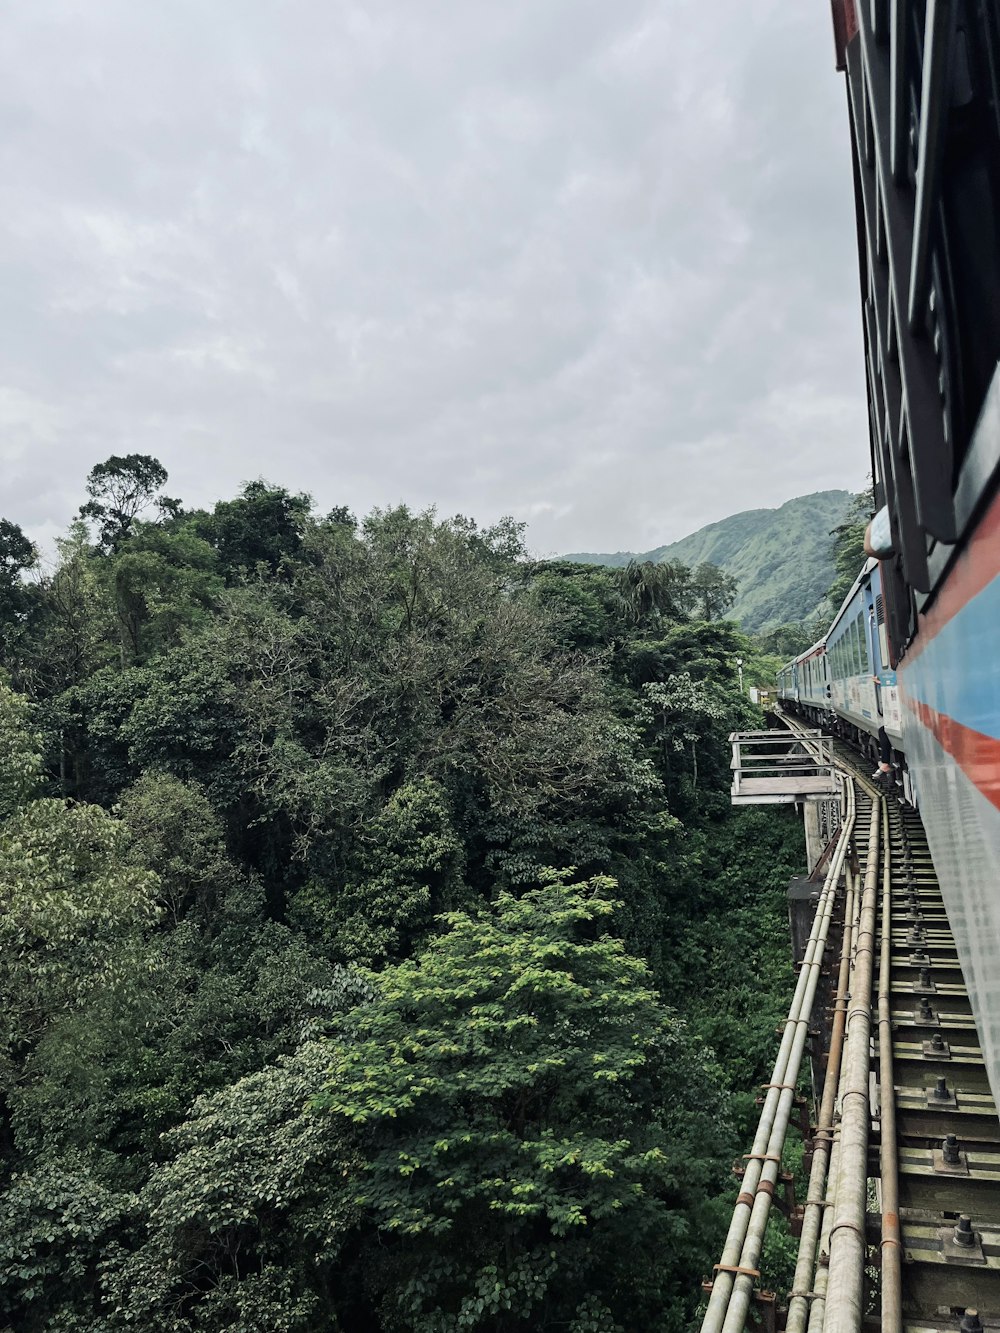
<point x="815" y="842"/>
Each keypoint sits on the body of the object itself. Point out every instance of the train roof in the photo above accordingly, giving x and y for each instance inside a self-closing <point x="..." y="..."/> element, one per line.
<point x="820" y="644"/>
<point x="817" y="647"/>
<point x="866" y="569"/>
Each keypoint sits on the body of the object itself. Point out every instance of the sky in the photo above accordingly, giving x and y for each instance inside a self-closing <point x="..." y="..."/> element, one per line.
<point x="590" y="264"/>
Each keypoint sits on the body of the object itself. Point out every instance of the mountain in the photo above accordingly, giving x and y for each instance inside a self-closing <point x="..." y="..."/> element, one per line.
<point x="782" y="558"/>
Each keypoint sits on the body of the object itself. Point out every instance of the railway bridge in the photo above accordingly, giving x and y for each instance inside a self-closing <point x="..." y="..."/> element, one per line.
<point x="880" y="1068"/>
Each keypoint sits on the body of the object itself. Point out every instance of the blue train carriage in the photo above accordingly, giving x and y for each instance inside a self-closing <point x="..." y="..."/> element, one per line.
<point x="846" y="681"/>
<point x="786" y="685"/>
<point x="924" y="119"/>
<point x="815" y="687"/>
<point x="863" y="685"/>
<point x="803" y="681"/>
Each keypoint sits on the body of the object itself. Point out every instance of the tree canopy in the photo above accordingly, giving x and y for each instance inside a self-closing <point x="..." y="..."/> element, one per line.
<point x="360" y="883"/>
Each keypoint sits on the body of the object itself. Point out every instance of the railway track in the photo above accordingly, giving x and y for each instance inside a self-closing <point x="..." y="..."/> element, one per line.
<point x="934" y="1122"/>
<point x="900" y="1230"/>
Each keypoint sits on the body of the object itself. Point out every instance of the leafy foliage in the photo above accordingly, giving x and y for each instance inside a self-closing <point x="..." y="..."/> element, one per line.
<point x="849" y="546"/>
<point x="782" y="559"/>
<point x="248" y="1218"/>
<point x="65" y="895"/>
<point x="301" y="1030"/>
<point x="120" y="489"/>
<point x="539" y="1129"/>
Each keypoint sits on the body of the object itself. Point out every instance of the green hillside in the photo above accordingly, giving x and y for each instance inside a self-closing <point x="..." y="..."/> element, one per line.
<point x="782" y="558"/>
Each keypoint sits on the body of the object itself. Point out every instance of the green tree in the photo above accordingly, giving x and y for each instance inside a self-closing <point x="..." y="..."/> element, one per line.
<point x="849" y="547"/>
<point x="67" y="895"/>
<point x="787" y="641"/>
<point x="171" y="824"/>
<point x="70" y="634"/>
<point x="680" y="711"/>
<point x="160" y="582"/>
<point x="17" y="553"/>
<point x="539" y="1131"/>
<point x="57" y="1222"/>
<point x="248" y="1218"/>
<point x="582" y="600"/>
<point x="263" y="525"/>
<point x="411" y="871"/>
<point x="653" y="591"/>
<point x="17" y="556"/>
<point x="120" y="489"/>
<point x="713" y="591"/>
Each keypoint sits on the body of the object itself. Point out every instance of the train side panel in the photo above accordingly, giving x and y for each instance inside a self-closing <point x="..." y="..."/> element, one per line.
<point x="950" y="688"/>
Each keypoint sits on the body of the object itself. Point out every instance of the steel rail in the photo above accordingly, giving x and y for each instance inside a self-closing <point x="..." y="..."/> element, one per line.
<point x="892" y="1245"/>
<point x="745" y="1235"/>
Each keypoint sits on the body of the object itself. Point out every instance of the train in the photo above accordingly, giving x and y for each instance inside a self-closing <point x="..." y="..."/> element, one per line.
<point x="846" y="683"/>
<point x="911" y="661"/>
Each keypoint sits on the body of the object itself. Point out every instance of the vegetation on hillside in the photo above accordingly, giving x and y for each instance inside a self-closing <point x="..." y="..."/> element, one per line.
<point x="781" y="559"/>
<point x="379" y="948"/>
<point x="849" y="547"/>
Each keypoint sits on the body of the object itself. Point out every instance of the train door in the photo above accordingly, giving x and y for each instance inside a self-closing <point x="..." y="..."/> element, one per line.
<point x="873" y="646"/>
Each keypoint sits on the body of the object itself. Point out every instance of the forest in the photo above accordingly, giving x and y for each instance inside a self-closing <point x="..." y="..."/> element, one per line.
<point x="379" y="949"/>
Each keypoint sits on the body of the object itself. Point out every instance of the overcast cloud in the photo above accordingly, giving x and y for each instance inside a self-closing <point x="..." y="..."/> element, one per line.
<point x="588" y="262"/>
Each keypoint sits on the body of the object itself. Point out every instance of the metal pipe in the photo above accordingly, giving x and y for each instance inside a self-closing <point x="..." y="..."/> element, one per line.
<point x="779" y="1097"/>
<point x="817" y="1312"/>
<point x="750" y="1255"/>
<point x="812" y="1212"/>
<point x="847" y="1235"/>
<point x="892" y="1243"/>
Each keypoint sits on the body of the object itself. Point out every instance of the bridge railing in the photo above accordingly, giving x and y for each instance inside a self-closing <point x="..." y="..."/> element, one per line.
<point x="774" y="768"/>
